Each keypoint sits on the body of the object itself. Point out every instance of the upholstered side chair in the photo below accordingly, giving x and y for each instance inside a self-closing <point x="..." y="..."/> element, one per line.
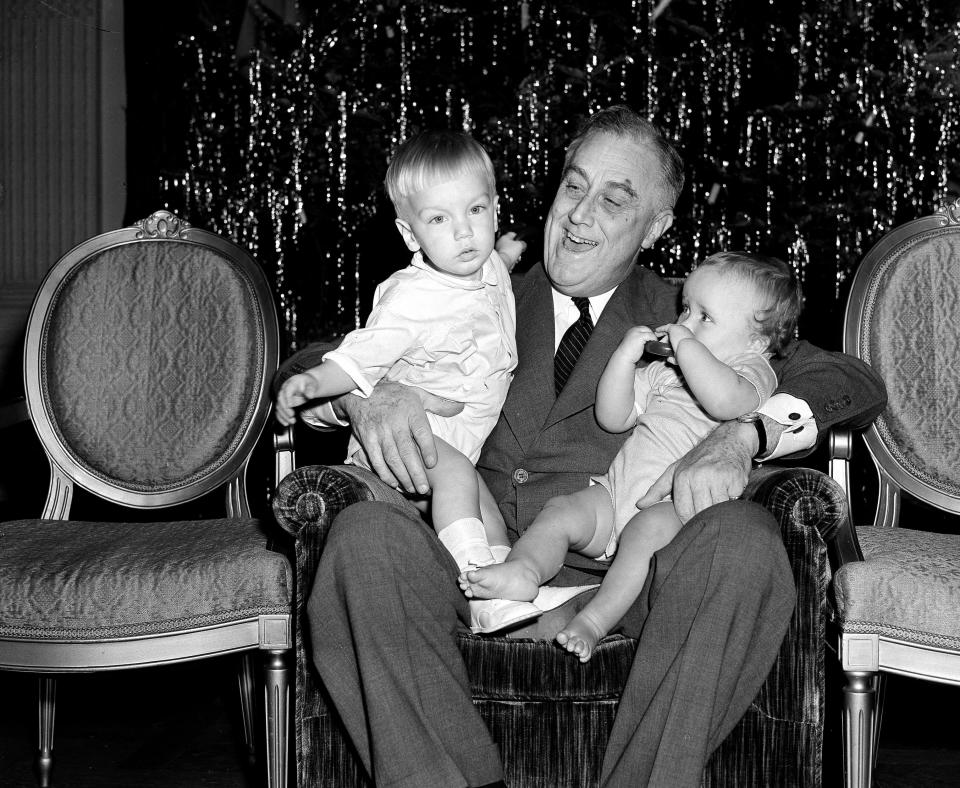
<point x="897" y="589"/>
<point x="148" y="359"/>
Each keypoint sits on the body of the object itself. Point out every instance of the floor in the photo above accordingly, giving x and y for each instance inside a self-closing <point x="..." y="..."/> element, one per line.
<point x="179" y="727"/>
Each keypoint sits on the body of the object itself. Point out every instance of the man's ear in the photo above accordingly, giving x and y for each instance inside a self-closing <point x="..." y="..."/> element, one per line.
<point x="408" y="237"/>
<point x="662" y="222"/>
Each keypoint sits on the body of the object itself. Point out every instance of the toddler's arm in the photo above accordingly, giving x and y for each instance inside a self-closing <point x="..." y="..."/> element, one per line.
<point x="325" y="380"/>
<point x="717" y="387"/>
<point x="615" y="393"/>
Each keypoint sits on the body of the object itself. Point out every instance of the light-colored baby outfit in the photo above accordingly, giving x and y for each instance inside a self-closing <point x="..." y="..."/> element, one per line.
<point x="670" y="422"/>
<point x="453" y="337"/>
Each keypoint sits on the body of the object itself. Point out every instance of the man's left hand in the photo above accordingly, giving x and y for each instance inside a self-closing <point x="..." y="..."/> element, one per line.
<point x="713" y="472"/>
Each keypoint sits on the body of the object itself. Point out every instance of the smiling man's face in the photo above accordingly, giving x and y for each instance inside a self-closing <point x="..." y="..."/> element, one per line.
<point x="609" y="206"/>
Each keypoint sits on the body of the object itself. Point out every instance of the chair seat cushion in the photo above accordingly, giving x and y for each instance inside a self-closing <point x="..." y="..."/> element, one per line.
<point x="72" y="580"/>
<point x="907" y="587"/>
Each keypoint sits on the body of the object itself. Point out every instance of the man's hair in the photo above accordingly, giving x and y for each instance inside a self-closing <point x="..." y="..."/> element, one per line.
<point x="621" y="121"/>
<point x="433" y="157"/>
<point x="777" y="283"/>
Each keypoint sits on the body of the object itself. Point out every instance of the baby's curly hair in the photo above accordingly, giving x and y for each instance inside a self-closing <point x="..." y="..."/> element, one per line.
<point x="776" y="281"/>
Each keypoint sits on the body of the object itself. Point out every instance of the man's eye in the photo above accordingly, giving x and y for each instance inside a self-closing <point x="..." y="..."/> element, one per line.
<point x="612" y="203"/>
<point x="573" y="188"/>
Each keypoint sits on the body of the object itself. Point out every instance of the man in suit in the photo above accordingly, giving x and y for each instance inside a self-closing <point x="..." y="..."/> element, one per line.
<point x="385" y="607"/>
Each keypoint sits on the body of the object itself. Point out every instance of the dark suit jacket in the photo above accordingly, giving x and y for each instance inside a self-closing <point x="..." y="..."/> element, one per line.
<point x="544" y="445"/>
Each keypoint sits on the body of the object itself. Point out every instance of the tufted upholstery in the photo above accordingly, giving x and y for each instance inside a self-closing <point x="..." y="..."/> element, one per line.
<point x="896" y="591"/>
<point x="529" y="691"/>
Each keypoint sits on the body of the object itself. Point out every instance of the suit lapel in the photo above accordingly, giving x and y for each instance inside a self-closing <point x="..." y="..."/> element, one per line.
<point x="630" y="305"/>
<point x="531" y="406"/>
<point x="531" y="393"/>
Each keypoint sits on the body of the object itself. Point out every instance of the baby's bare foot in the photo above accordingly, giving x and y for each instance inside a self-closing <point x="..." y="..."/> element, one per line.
<point x="581" y="635"/>
<point x="509" y="580"/>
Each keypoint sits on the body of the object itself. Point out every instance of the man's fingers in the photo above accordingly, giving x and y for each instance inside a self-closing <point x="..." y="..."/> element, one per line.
<point x="659" y="489"/>
<point x="376" y="461"/>
<point x="410" y="468"/>
<point x="439" y="405"/>
<point x="397" y="453"/>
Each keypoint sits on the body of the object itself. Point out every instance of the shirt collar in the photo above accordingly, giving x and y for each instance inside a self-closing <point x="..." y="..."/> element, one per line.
<point x="488" y="275"/>
<point x="561" y="303"/>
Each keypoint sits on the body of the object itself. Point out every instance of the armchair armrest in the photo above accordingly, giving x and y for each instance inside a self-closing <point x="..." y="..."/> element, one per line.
<point x="800" y="498"/>
<point x="309" y="499"/>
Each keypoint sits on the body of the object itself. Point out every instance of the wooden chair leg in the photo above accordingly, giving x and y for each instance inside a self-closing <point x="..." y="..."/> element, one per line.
<point x="47" y="697"/>
<point x="878" y="719"/>
<point x="859" y="726"/>
<point x="277" y="690"/>
<point x="248" y="684"/>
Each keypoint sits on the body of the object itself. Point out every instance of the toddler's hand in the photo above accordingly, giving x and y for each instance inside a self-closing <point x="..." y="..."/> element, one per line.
<point x="675" y="334"/>
<point x="510" y="248"/>
<point x="294" y="392"/>
<point x="633" y="342"/>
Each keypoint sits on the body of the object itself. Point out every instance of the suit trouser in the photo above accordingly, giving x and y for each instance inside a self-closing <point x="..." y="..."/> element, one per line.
<point x="385" y="611"/>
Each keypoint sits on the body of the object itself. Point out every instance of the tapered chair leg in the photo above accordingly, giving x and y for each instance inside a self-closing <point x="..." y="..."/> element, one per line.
<point x="276" y="690"/>
<point x="47" y="713"/>
<point x="247" y="680"/>
<point x="859" y="723"/>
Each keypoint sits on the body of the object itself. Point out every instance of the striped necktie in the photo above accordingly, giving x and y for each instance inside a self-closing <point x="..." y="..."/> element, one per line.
<point x="572" y="344"/>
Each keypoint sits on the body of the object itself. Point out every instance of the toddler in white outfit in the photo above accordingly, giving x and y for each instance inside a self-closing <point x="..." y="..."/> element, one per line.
<point x="446" y="323"/>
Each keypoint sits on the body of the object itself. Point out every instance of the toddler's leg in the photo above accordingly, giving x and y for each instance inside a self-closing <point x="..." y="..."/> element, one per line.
<point x="493" y="523"/>
<point x="579" y="521"/>
<point x="456" y="509"/>
<point x="643" y="535"/>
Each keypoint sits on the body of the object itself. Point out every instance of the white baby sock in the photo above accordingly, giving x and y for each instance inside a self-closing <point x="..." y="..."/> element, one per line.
<point x="466" y="540"/>
<point x="500" y="552"/>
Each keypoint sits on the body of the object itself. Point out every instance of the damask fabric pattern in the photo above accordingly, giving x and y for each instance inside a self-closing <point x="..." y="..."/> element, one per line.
<point x="906" y="587"/>
<point x="101" y="392"/>
<point x="550" y="714"/>
<point x="104" y="580"/>
<point x="910" y="339"/>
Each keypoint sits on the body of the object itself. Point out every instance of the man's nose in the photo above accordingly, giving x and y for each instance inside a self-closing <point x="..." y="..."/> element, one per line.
<point x="582" y="211"/>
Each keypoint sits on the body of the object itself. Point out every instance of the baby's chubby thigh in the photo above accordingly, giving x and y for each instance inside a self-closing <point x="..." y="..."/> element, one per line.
<point x="584" y="519"/>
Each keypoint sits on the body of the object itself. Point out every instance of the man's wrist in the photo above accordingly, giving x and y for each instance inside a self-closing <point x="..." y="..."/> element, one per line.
<point x="755" y="421"/>
<point x="340" y="409"/>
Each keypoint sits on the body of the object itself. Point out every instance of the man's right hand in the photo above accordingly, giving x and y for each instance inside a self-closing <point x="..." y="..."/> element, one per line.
<point x="391" y="426"/>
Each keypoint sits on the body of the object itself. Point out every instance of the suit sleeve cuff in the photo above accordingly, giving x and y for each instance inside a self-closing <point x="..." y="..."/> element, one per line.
<point x="790" y="426"/>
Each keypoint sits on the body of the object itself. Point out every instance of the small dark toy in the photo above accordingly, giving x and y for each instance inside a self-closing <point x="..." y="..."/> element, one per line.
<point x="662" y="349"/>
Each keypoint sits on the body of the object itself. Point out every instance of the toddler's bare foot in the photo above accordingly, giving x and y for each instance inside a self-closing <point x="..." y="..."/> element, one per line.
<point x="581" y="635"/>
<point x="509" y="580"/>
